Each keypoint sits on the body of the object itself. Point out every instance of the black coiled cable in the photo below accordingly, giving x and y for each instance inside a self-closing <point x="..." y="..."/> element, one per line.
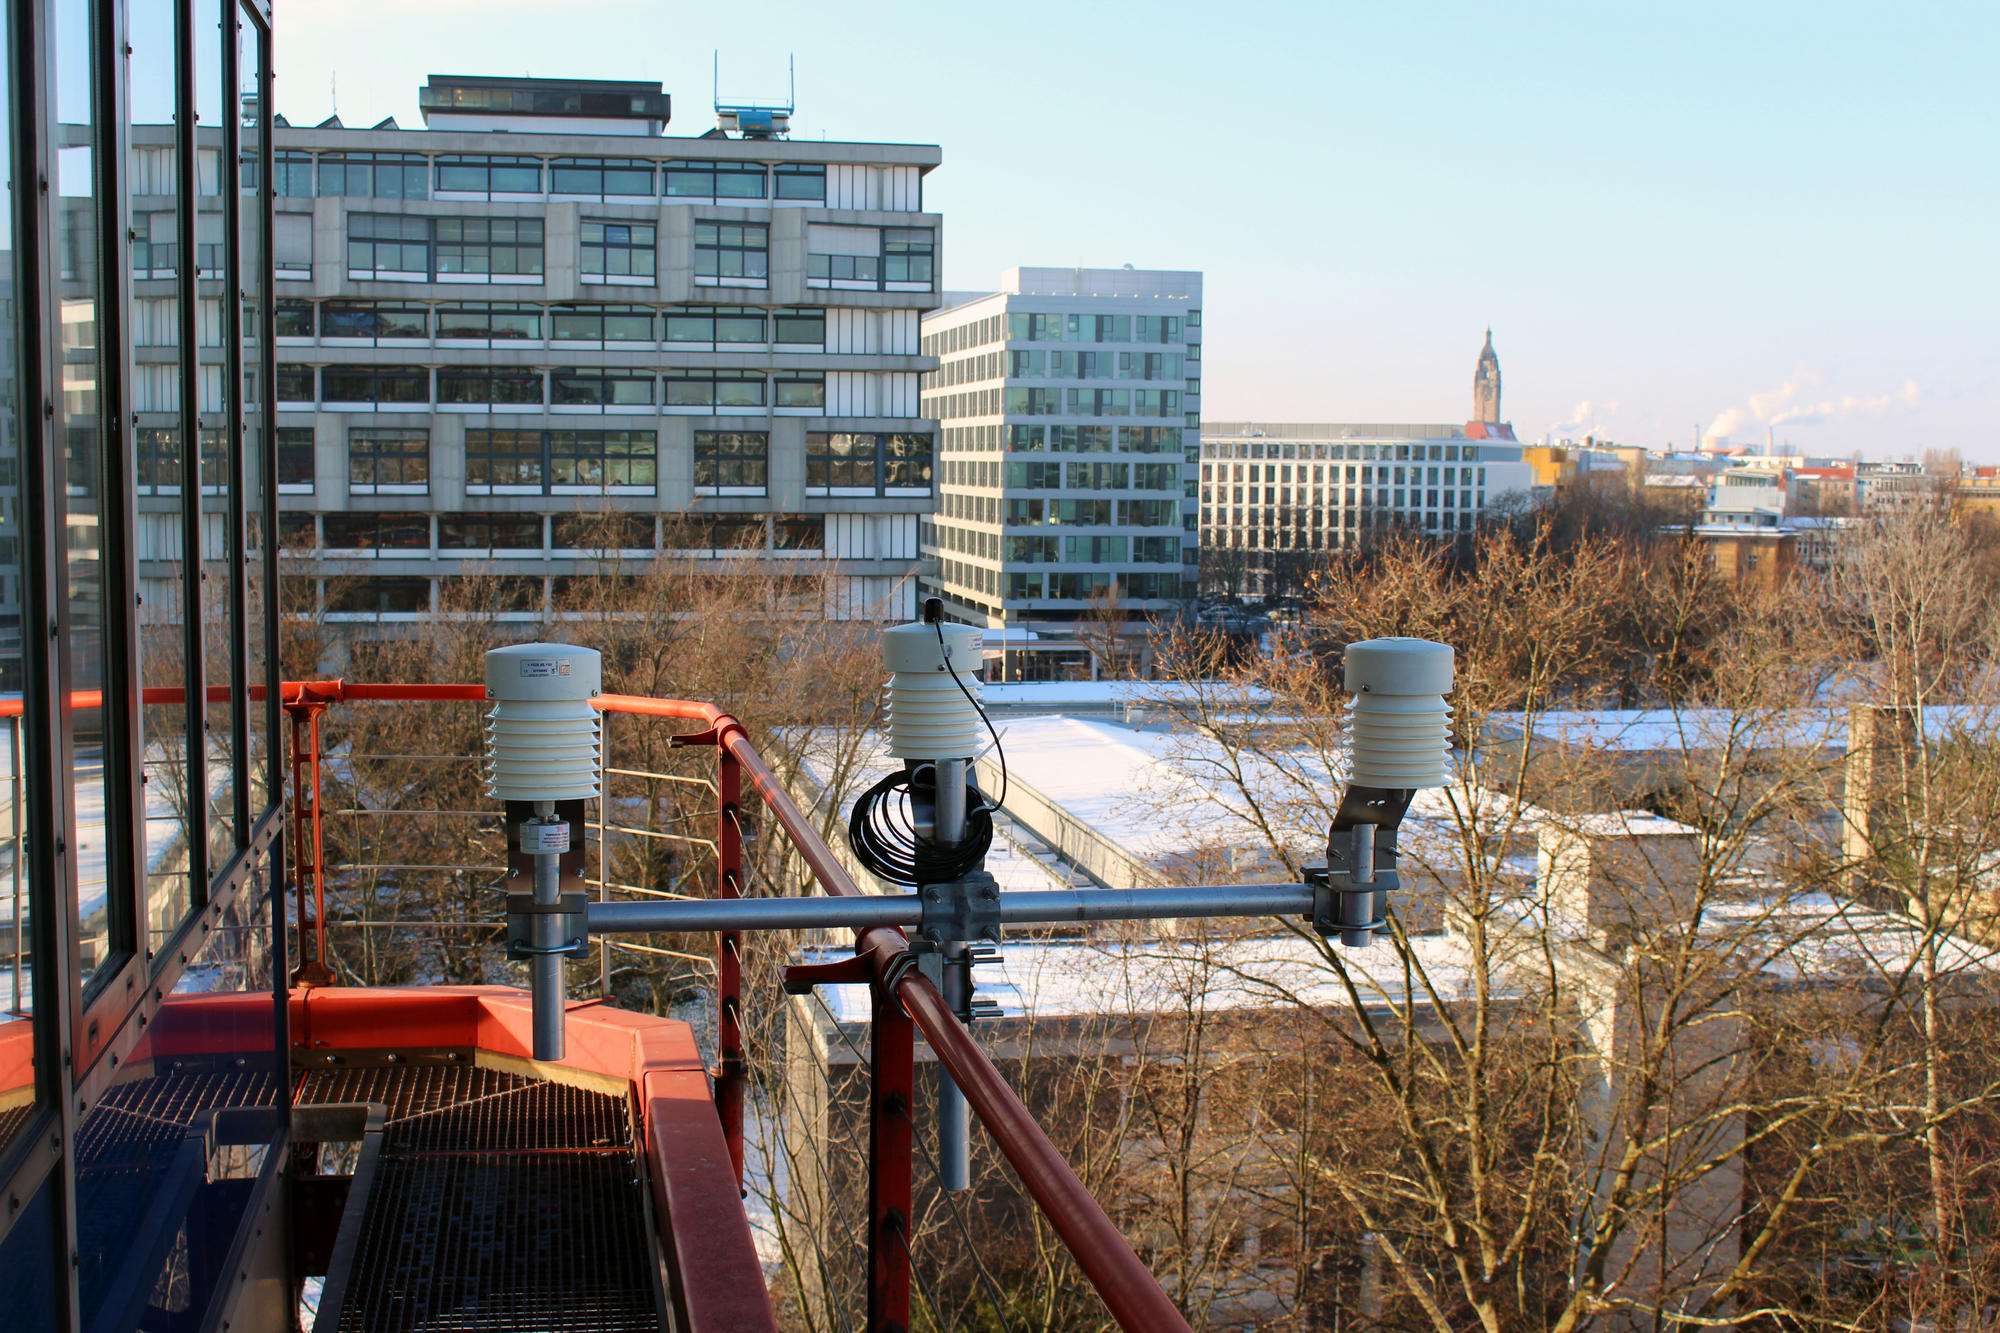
<point x="883" y="834"/>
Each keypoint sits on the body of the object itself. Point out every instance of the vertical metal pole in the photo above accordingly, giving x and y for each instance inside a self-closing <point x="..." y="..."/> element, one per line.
<point x="892" y="1088"/>
<point x="1358" y="905"/>
<point x="318" y="854"/>
<point x="545" y="970"/>
<point x="731" y="1070"/>
<point x="297" y="812"/>
<point x="953" y="1122"/>
<point x="311" y="969"/>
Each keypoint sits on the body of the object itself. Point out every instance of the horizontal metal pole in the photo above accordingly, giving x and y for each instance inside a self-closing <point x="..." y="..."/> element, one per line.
<point x="900" y="909"/>
<point x="1201" y="900"/>
<point x="906" y="909"/>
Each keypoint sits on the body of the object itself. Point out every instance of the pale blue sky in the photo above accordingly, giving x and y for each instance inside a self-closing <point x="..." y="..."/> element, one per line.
<point x="1741" y="215"/>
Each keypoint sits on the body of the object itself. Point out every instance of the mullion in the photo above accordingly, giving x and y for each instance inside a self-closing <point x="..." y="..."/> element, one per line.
<point x="195" y="713"/>
<point x="237" y="547"/>
<point x="58" y="1000"/>
<point x="267" y="446"/>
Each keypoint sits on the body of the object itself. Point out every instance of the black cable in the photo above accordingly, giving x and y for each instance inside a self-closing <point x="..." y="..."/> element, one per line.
<point x="997" y="751"/>
<point x="884" y="836"/>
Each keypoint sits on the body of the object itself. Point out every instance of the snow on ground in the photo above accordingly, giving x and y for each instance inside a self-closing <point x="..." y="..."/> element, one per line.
<point x="1638" y="730"/>
<point x="1105" y="693"/>
<point x="165" y="836"/>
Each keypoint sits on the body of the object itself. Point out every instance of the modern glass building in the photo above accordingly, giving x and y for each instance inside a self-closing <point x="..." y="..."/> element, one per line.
<point x="140" y="717"/>
<point x="1069" y="402"/>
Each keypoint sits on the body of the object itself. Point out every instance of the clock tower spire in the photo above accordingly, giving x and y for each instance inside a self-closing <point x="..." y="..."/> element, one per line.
<point x="1486" y="385"/>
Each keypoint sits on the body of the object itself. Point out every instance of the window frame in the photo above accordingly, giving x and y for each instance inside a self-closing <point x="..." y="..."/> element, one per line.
<point x="571" y="170"/>
<point x="463" y="378"/>
<point x="379" y="376"/>
<point x="687" y="401"/>
<point x="602" y="313"/>
<point x="730" y="460"/>
<point x="380" y="460"/>
<point x="598" y="388"/>
<point x="641" y="258"/>
<point x="716" y="171"/>
<point x="732" y="238"/>
<point x="801" y="171"/>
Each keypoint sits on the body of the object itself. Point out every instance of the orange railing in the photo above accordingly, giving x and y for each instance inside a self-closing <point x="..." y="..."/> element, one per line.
<point x="904" y="1002"/>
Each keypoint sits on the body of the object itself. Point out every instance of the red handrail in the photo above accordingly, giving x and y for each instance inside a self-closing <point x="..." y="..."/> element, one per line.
<point x="1129" y="1290"/>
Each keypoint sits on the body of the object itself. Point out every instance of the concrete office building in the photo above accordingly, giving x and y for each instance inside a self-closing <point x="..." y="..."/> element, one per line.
<point x="1069" y="402"/>
<point x="496" y="331"/>
<point x="1275" y="496"/>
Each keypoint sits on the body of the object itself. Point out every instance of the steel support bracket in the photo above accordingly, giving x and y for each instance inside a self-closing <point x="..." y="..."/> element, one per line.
<point x="712" y="736"/>
<point x="800" y="978"/>
<point x="961" y="911"/>
<point x="522" y="909"/>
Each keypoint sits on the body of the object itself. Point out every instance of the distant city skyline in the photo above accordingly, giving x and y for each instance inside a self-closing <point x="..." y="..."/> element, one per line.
<point x="1710" y="219"/>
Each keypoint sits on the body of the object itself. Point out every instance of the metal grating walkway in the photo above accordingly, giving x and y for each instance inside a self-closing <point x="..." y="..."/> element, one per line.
<point x="501" y="1204"/>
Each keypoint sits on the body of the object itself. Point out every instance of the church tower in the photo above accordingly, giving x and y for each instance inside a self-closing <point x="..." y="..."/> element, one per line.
<point x="1486" y="385"/>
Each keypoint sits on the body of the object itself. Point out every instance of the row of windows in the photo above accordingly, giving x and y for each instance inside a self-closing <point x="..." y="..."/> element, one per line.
<point x="1060" y="366"/>
<point x="488" y="321"/>
<point x="1056" y="328"/>
<point x="1091" y="402"/>
<point x="401" y="247"/>
<point x="1054" y="586"/>
<point x="1281" y="474"/>
<point x="1079" y="585"/>
<point x="424" y="248"/>
<point x="1094" y="550"/>
<point x="570" y="387"/>
<point x="397" y="460"/>
<point x="1401" y="453"/>
<point x="416" y="176"/>
<point x="1099" y="328"/>
<point x="1052" y="476"/>
<point x="1085" y="512"/>
<point x="978" y="333"/>
<point x="1069" y="440"/>
<point x="529" y="596"/>
<point x="1269" y="538"/>
<point x="907" y="256"/>
<point x="474" y="534"/>
<point x="1274" y="497"/>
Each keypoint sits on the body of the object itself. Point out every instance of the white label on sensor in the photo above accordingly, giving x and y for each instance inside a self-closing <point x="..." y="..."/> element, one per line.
<point x="534" y="667"/>
<point x="538" y="839"/>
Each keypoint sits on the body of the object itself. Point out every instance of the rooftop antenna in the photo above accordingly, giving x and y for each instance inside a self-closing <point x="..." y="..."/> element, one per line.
<point x="754" y="120"/>
<point x="333" y="90"/>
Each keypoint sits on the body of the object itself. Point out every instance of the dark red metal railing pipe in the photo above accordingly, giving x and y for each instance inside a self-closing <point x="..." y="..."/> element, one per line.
<point x="732" y="1068"/>
<point x="1128" y="1288"/>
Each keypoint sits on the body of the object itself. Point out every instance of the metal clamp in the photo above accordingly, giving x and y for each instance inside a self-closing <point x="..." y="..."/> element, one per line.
<point x="1351" y="891"/>
<point x="962" y="910"/>
<point x="522" y="909"/>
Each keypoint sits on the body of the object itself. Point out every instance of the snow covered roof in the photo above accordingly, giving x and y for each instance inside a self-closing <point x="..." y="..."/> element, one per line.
<point x="1055" y="979"/>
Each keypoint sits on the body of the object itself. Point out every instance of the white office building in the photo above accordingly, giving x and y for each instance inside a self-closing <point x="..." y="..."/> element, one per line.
<point x="1275" y="498"/>
<point x="540" y="333"/>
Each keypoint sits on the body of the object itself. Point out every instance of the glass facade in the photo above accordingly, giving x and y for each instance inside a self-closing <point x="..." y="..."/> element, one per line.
<point x="1006" y="405"/>
<point x="138" y="934"/>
